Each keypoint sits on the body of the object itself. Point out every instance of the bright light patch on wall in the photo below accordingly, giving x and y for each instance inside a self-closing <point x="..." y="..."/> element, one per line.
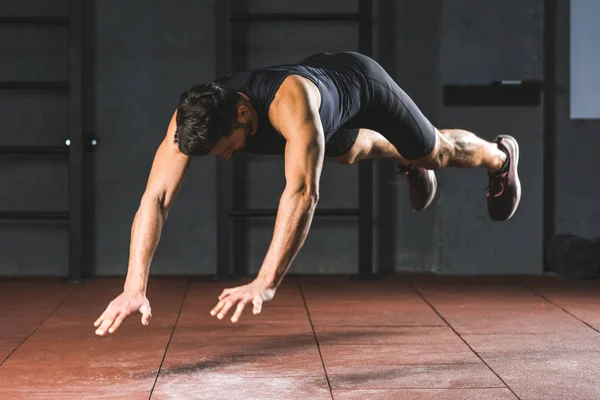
<point x="585" y="59"/>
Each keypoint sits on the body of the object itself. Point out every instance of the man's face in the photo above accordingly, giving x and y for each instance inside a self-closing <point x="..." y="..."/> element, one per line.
<point x="227" y="146"/>
<point x="246" y="125"/>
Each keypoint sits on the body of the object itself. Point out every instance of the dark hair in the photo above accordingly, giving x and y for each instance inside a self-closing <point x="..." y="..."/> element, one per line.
<point x="205" y="114"/>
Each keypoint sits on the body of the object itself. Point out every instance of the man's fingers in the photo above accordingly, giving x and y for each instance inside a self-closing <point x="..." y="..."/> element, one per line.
<point x="217" y="308"/>
<point x="257" y="306"/>
<point x="238" y="310"/>
<point x="146" y="315"/>
<point x="224" y="294"/>
<point x="106" y="323"/>
<point x="118" y="321"/>
<point x="100" y="319"/>
<point x="223" y="312"/>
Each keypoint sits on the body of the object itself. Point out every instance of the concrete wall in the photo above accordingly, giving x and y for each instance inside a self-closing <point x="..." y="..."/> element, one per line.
<point x="29" y="118"/>
<point x="145" y="54"/>
<point x="141" y="55"/>
<point x="484" y="42"/>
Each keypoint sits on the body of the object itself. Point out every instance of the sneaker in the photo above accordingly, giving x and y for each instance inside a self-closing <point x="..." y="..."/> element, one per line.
<point x="422" y="186"/>
<point x="504" y="190"/>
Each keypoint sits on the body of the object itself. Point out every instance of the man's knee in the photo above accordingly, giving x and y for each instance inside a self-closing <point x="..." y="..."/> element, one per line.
<point x="439" y="156"/>
<point x="346" y="159"/>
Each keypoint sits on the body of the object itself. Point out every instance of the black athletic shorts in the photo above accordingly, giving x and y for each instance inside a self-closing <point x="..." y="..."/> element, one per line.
<point x="340" y="142"/>
<point x="389" y="111"/>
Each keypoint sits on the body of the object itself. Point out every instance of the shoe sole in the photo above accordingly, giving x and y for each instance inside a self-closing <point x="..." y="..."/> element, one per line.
<point x="516" y="168"/>
<point x="433" y="180"/>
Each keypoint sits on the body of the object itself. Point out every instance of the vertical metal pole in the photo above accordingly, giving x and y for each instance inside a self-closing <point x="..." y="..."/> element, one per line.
<point x="77" y="268"/>
<point x="365" y="173"/>
<point x="223" y="168"/>
<point x="549" y="123"/>
<point x="240" y="236"/>
<point x="387" y="169"/>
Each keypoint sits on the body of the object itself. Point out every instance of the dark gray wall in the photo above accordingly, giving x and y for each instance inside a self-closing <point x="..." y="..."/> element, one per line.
<point x="141" y="55"/>
<point x="416" y="67"/>
<point x="30" y="118"/>
<point x="484" y="42"/>
<point x="327" y="248"/>
<point x="145" y="54"/>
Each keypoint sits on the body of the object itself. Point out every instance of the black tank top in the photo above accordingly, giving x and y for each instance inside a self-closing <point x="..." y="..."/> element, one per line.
<point x="340" y="78"/>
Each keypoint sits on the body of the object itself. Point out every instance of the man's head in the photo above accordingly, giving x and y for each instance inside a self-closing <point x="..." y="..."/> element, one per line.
<point x="212" y="121"/>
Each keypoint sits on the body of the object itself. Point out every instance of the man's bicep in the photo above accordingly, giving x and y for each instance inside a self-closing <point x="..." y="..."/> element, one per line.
<point x="295" y="114"/>
<point x="168" y="169"/>
<point x="304" y="155"/>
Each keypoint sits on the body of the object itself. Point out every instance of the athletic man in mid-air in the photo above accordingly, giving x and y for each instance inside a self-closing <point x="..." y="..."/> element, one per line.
<point x="343" y="106"/>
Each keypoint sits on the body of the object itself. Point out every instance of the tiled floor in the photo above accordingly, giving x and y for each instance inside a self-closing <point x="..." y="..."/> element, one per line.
<point x="404" y="337"/>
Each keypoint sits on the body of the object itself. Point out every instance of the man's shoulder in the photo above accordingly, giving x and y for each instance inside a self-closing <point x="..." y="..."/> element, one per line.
<point x="294" y="88"/>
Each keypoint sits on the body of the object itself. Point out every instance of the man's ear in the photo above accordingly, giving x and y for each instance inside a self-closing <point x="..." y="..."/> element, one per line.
<point x="243" y="113"/>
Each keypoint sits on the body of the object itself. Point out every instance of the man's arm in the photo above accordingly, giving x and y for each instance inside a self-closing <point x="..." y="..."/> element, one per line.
<point x="294" y="113"/>
<point x="163" y="184"/>
<point x="296" y="116"/>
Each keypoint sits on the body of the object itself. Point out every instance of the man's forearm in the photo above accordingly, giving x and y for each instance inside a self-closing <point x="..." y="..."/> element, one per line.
<point x="145" y="235"/>
<point x="293" y="222"/>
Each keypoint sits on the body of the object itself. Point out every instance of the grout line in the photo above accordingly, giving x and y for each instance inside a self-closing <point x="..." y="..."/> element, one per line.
<point x="315" y="337"/>
<point x="425" y="389"/>
<point x="461" y="338"/>
<point x="386" y="326"/>
<point x="187" y="288"/>
<point x="563" y="309"/>
<point x="50" y="314"/>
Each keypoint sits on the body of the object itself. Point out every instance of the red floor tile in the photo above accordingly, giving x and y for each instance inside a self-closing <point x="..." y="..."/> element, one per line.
<point x="413" y="313"/>
<point x="386" y="335"/>
<point x="24" y="305"/>
<point x="190" y="352"/>
<point x="549" y="377"/>
<point x="544" y="366"/>
<point x="71" y="363"/>
<point x="584" y="305"/>
<point x="366" y="303"/>
<point x="235" y="345"/>
<point x="496" y="309"/>
<point x="424" y="394"/>
<point x="516" y="319"/>
<point x="522" y="345"/>
<point x="375" y="358"/>
<point x="413" y="377"/>
<point x="221" y="386"/>
<point x="8" y="344"/>
<point x="324" y="290"/>
<point x="82" y="395"/>
<point x="64" y="354"/>
<point x="397" y="354"/>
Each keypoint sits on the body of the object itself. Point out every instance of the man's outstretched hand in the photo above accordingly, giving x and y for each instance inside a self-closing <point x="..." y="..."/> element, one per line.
<point x="256" y="292"/>
<point x="120" y="308"/>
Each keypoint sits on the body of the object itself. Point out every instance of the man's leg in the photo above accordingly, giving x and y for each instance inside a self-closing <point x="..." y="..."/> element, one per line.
<point x="350" y="146"/>
<point x="370" y="145"/>
<point x="463" y="149"/>
<point x="392" y="113"/>
<point x="460" y="148"/>
<point x="453" y="148"/>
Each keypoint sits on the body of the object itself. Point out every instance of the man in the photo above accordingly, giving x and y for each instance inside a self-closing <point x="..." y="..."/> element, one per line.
<point x="343" y="106"/>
